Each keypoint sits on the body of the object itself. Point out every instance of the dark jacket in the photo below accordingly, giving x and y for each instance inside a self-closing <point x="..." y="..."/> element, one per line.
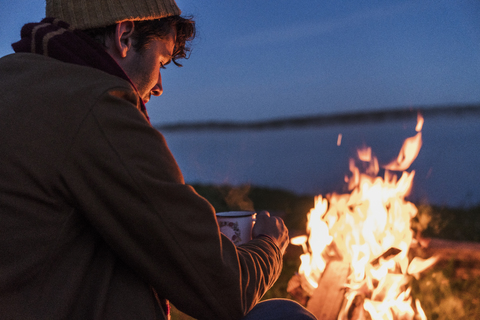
<point x="95" y="219"/>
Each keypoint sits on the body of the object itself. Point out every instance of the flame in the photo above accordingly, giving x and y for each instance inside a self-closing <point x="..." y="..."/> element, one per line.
<point x="420" y="122"/>
<point x="339" y="139"/>
<point x="409" y="152"/>
<point x="370" y="229"/>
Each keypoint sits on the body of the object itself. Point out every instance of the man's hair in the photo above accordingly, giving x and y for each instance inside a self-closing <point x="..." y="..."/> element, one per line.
<point x="147" y="30"/>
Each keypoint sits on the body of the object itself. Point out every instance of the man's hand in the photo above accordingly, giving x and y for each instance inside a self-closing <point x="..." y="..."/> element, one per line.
<point x="272" y="227"/>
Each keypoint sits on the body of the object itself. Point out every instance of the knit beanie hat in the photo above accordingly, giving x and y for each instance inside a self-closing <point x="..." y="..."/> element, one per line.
<point x="86" y="14"/>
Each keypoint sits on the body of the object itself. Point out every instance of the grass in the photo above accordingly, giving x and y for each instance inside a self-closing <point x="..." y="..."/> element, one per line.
<point x="447" y="294"/>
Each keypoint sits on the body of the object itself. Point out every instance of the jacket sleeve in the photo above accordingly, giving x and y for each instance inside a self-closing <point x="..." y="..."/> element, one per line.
<point x="124" y="179"/>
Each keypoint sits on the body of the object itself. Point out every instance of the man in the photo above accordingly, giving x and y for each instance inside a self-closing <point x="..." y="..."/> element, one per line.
<point x="96" y="221"/>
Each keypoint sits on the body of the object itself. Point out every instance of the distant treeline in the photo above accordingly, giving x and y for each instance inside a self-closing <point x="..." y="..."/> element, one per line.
<point x="326" y="119"/>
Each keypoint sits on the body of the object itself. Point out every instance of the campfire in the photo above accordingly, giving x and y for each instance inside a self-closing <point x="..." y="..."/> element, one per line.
<point x="355" y="262"/>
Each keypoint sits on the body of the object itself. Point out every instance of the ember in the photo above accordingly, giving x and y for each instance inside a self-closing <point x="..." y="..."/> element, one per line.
<point x="369" y="231"/>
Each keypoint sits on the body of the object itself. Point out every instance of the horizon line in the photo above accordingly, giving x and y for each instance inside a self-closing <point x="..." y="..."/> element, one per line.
<point x="352" y="117"/>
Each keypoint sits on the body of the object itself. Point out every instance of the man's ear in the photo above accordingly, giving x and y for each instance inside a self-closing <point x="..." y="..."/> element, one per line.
<point x="123" y="37"/>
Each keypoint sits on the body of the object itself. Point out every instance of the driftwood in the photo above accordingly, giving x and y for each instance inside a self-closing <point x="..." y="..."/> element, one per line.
<point x="328" y="297"/>
<point x="467" y="252"/>
<point x="294" y="288"/>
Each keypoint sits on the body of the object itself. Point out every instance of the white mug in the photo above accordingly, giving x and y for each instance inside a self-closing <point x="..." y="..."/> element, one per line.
<point x="236" y="225"/>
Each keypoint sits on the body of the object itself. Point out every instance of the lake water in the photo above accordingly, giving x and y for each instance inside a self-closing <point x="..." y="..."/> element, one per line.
<point x="308" y="160"/>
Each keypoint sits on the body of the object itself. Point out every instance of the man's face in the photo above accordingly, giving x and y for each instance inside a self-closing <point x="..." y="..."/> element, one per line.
<point x="143" y="67"/>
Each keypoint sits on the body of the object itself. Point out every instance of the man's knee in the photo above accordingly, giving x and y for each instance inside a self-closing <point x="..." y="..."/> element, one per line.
<point x="278" y="309"/>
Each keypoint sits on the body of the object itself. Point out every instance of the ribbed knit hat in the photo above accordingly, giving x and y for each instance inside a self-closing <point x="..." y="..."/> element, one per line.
<point x="86" y="14"/>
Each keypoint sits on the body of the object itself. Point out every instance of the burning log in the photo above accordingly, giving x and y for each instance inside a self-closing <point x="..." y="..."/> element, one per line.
<point x="387" y="255"/>
<point x="449" y="249"/>
<point x="355" y="310"/>
<point x="294" y="288"/>
<point x="328" y="297"/>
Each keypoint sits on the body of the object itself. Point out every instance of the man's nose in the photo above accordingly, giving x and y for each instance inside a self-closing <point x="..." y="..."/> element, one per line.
<point x="158" y="89"/>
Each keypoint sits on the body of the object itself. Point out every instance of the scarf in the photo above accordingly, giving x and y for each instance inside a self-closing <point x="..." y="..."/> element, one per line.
<point x="57" y="39"/>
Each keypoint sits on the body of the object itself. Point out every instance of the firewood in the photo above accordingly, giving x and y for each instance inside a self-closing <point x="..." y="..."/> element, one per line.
<point x="328" y="297"/>
<point x="294" y="288"/>
<point x="451" y="250"/>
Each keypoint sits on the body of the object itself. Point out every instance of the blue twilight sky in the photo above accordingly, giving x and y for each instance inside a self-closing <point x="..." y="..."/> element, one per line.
<point x="263" y="59"/>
